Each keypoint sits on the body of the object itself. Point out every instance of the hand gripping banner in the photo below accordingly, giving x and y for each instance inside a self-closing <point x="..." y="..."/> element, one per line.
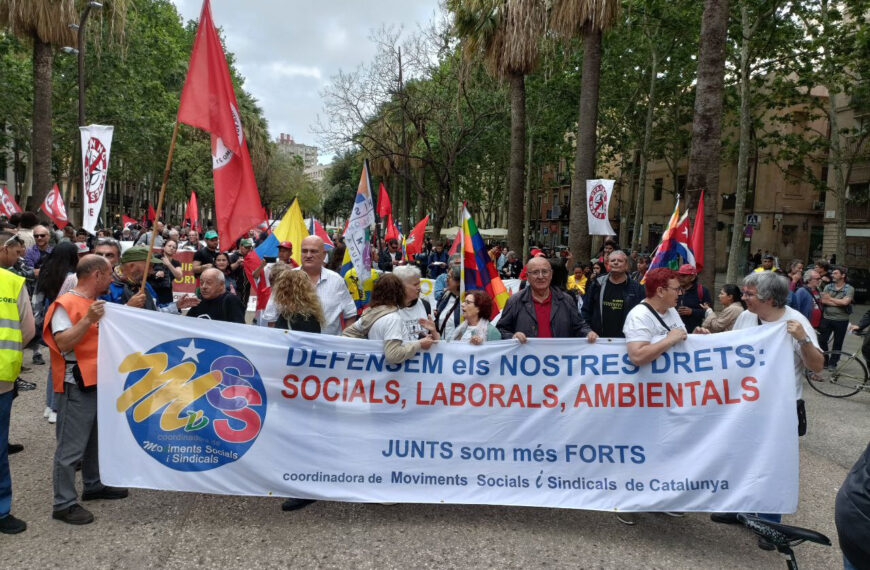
<point x="96" y="144"/>
<point x="242" y="410"/>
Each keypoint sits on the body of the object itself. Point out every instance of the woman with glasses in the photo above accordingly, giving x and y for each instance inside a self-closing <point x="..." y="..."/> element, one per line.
<point x="476" y="329"/>
<point x="449" y="307"/>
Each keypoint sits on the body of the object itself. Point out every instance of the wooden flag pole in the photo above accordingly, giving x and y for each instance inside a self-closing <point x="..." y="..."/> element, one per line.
<point x="159" y="206"/>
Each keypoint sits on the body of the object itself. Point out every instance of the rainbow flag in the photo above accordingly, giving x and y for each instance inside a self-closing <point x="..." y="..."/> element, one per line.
<point x="675" y="242"/>
<point x="480" y="271"/>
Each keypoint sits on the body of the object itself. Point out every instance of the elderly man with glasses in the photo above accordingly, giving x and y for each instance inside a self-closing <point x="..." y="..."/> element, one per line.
<point x="542" y="311"/>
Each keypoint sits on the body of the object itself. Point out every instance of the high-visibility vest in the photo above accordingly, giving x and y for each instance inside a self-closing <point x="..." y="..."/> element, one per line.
<point x="11" y="354"/>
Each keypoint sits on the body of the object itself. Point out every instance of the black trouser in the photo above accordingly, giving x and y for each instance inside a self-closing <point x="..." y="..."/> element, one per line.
<point x="826" y="327"/>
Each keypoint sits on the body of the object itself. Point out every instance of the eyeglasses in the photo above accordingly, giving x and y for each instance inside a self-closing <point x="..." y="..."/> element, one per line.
<point x="540" y="272"/>
<point x="467" y="302"/>
<point x="40" y="235"/>
<point x="677" y="289"/>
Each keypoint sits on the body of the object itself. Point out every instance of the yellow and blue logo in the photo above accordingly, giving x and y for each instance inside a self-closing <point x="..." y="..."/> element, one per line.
<point x="193" y="404"/>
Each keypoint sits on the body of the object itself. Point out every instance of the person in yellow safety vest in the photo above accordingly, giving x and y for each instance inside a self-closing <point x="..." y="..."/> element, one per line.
<point x="16" y="330"/>
<point x="71" y="333"/>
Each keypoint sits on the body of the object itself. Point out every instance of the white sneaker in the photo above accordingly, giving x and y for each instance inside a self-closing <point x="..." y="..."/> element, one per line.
<point x="46" y="412"/>
<point x="52" y="417"/>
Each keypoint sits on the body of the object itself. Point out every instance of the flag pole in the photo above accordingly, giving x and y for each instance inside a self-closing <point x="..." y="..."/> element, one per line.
<point x="461" y="255"/>
<point x="159" y="205"/>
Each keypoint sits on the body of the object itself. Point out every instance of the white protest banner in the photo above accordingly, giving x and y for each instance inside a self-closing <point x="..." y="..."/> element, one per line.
<point x="96" y="144"/>
<point x="598" y="194"/>
<point x="242" y="410"/>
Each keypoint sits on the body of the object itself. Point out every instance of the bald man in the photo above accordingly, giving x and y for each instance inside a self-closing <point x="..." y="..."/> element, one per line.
<point x="338" y="305"/>
<point x="217" y="304"/>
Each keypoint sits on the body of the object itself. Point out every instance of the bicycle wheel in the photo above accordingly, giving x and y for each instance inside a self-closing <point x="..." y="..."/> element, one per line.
<point x="846" y="378"/>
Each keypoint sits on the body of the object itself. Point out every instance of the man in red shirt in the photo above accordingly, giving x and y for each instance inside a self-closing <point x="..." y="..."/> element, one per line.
<point x="542" y="311"/>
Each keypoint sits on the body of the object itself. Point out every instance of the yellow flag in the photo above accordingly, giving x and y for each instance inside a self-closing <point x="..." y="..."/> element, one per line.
<point x="292" y="228"/>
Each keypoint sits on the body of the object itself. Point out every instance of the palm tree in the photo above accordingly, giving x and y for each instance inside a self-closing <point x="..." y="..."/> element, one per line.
<point x="587" y="19"/>
<point x="46" y="24"/>
<point x="506" y="33"/>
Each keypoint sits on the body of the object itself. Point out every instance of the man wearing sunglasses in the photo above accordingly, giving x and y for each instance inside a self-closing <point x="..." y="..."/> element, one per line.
<point x="36" y="255"/>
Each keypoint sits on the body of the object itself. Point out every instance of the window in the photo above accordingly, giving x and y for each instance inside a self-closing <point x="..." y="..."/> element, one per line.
<point x="681" y="186"/>
<point x="658" y="185"/>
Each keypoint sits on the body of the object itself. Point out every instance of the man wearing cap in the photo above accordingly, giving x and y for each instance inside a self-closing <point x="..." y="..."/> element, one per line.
<point x="767" y="264"/>
<point x="125" y="288"/>
<point x="204" y="257"/>
<point x="693" y="296"/>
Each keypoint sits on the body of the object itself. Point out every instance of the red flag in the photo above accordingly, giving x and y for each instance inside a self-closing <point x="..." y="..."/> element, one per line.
<point x="192" y="212"/>
<point x="321" y="233"/>
<point x="208" y="102"/>
<point x="250" y="263"/>
<point x="454" y="248"/>
<point x="54" y="208"/>
<point x="384" y="206"/>
<point x="127" y="220"/>
<point x="414" y="243"/>
<point x="697" y="243"/>
<point x="391" y="231"/>
<point x="151" y="215"/>
<point x="8" y="205"/>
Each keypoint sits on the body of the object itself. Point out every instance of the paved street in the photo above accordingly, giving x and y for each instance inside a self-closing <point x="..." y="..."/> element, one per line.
<point x="168" y="530"/>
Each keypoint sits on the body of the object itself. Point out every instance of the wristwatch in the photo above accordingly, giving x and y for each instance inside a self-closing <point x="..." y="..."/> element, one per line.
<point x="805" y="340"/>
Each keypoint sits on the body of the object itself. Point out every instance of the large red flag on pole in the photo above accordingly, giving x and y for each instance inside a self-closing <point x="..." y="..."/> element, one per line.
<point x="697" y="243"/>
<point x="191" y="213"/>
<point x="414" y="243"/>
<point x="208" y="102"/>
<point x="384" y="206"/>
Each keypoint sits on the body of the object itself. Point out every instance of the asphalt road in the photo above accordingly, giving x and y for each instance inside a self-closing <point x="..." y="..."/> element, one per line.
<point x="157" y="529"/>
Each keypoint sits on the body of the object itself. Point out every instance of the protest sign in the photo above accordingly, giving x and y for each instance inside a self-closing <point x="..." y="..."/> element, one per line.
<point x="187" y="284"/>
<point x="241" y="410"/>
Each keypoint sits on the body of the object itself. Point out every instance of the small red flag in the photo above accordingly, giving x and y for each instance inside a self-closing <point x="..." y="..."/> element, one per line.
<point x="384" y="206"/>
<point x="391" y="232"/>
<point x="414" y="243"/>
<point x="191" y="213"/>
<point x="8" y="205"/>
<point x="54" y="208"/>
<point x="697" y="243"/>
<point x="151" y="216"/>
<point x="127" y="220"/>
<point x="208" y="102"/>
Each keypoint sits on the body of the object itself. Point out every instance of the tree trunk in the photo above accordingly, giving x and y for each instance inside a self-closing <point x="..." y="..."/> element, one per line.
<point x="517" y="160"/>
<point x="707" y="126"/>
<point x="644" y="149"/>
<point x="736" y="257"/>
<point x="579" y="241"/>
<point x="41" y="137"/>
<point x="527" y="207"/>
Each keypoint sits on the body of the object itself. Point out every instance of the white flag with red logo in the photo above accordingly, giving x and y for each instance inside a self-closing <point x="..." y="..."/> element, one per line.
<point x="54" y="208"/>
<point x="8" y="205"/>
<point x="598" y="194"/>
<point x="96" y="143"/>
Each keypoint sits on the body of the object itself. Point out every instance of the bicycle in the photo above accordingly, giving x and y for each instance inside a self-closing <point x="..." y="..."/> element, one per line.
<point x="782" y="536"/>
<point x="846" y="378"/>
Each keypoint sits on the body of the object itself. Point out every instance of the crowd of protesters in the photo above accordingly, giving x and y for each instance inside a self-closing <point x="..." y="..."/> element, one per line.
<point x="67" y="276"/>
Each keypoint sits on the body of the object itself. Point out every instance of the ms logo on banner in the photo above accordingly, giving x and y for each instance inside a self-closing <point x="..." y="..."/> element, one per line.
<point x="193" y="404"/>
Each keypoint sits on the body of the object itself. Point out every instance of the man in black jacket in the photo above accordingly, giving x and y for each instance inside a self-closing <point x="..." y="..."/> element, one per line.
<point x="542" y="311"/>
<point x="693" y="296"/>
<point x="610" y="297"/>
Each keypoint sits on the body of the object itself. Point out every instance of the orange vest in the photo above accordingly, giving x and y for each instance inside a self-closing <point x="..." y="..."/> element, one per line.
<point x="85" y="351"/>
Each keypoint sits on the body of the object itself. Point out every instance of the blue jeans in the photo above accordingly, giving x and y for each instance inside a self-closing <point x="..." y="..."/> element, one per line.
<point x="5" y="474"/>
<point x="49" y="390"/>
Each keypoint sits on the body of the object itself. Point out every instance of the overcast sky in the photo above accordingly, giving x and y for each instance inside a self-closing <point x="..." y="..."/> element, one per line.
<point x="288" y="49"/>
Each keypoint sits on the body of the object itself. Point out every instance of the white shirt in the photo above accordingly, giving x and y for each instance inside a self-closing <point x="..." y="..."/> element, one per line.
<point x="335" y="300"/>
<point x="388" y="327"/>
<point x="747" y="320"/>
<point x="410" y="317"/>
<point x="641" y="325"/>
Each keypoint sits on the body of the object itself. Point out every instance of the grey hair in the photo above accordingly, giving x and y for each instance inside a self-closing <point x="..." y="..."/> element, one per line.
<point x="512" y="254"/>
<point x="406" y="272"/>
<point x="455" y="257"/>
<point x="808" y="274"/>
<point x="217" y="273"/>
<point x="455" y="273"/>
<point x="768" y="285"/>
<point x="110" y="242"/>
